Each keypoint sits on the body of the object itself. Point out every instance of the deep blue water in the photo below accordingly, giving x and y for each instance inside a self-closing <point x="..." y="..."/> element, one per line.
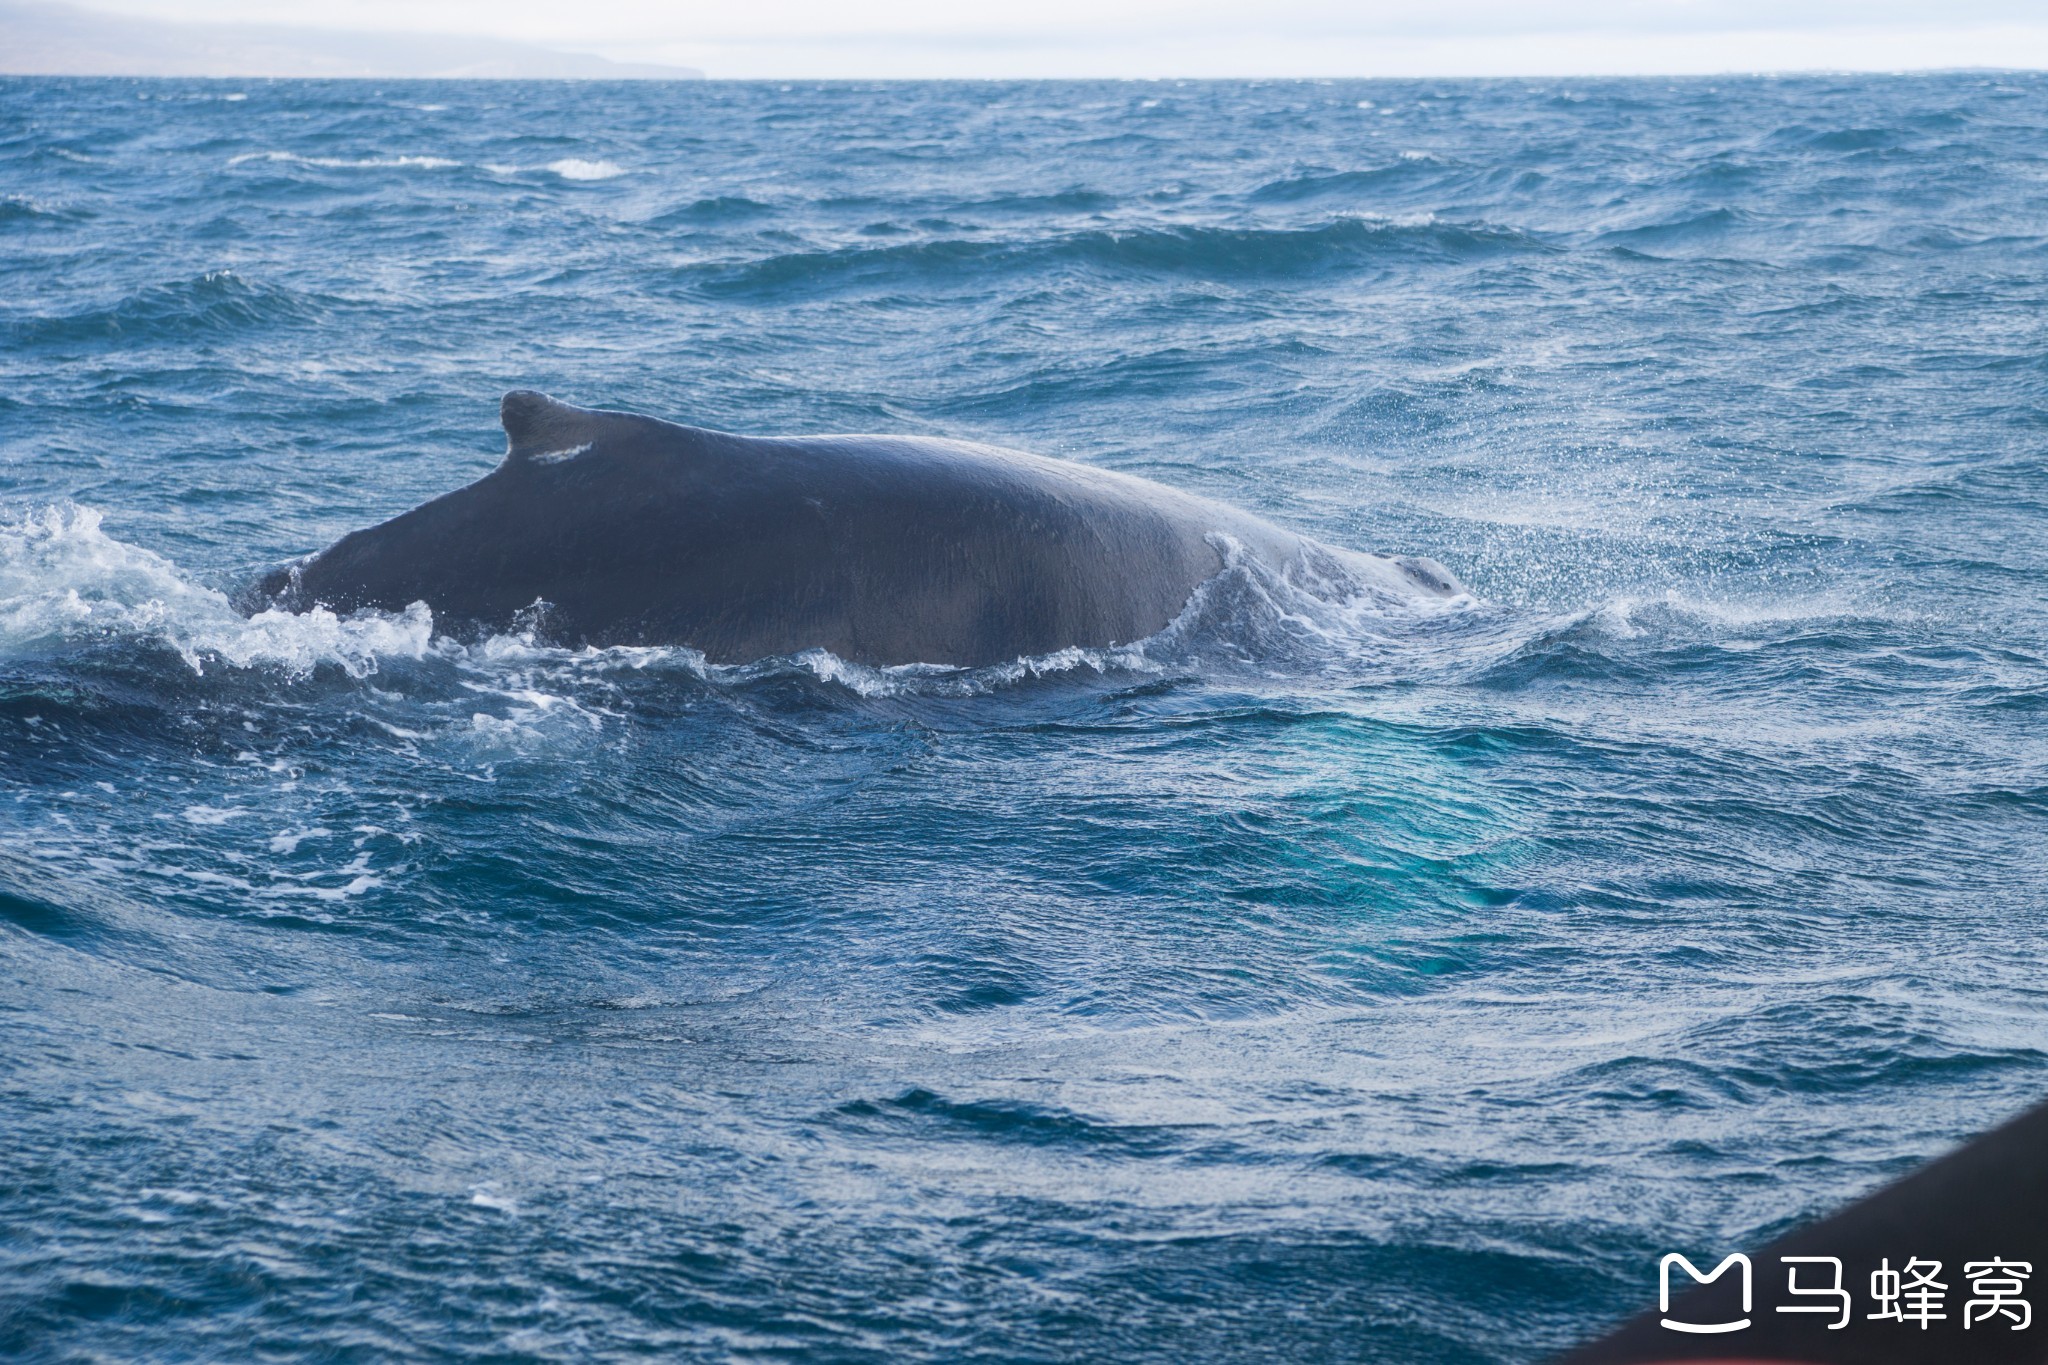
<point x="1321" y="981"/>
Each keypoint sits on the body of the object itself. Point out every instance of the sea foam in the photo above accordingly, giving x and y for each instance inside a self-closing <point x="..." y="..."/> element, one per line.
<point x="63" y="579"/>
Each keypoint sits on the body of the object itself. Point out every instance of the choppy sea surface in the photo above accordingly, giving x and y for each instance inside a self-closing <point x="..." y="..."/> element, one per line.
<point x="1322" y="980"/>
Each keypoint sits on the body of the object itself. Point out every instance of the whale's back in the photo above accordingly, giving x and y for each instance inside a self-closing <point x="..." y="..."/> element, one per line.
<point x="605" y="528"/>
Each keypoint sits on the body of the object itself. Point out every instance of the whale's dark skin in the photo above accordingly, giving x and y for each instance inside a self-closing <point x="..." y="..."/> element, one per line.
<point x="881" y="549"/>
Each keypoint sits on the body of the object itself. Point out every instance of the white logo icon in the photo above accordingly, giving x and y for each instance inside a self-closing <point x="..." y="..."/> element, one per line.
<point x="1664" y="1292"/>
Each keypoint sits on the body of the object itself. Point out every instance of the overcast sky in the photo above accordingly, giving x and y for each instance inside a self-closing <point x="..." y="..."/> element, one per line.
<point x="885" y="38"/>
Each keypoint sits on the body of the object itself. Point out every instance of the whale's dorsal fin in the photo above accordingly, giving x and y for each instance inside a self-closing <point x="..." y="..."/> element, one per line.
<point x="542" y="429"/>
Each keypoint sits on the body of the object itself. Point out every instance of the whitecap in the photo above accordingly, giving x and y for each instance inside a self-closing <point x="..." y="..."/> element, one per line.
<point x="575" y="168"/>
<point x="418" y="163"/>
<point x="288" y="842"/>
<point x="484" y="1194"/>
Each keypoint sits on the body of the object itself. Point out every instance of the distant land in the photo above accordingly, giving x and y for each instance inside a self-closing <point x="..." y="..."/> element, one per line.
<point x="66" y="40"/>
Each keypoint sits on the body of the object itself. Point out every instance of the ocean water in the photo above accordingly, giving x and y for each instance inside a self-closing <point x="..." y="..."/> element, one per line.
<point x="1321" y="980"/>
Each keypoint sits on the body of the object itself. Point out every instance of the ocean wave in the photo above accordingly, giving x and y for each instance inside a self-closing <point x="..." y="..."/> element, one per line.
<point x="219" y="301"/>
<point x="1632" y="639"/>
<point x="1059" y="201"/>
<point x="723" y="208"/>
<point x="1803" y="137"/>
<point x="1404" y="172"/>
<point x="1687" y="229"/>
<point x="22" y="210"/>
<point x="1006" y="1121"/>
<point x="1340" y="246"/>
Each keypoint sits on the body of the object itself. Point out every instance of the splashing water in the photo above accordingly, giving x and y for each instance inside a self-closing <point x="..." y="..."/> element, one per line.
<point x="64" y="580"/>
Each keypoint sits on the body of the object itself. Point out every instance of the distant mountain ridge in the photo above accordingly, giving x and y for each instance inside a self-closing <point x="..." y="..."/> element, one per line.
<point x="43" y="39"/>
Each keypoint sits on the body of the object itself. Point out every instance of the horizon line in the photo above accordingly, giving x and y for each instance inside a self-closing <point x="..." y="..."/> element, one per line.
<point x="684" y="78"/>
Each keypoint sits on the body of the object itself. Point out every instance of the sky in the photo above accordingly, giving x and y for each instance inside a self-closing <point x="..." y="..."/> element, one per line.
<point x="1195" y="38"/>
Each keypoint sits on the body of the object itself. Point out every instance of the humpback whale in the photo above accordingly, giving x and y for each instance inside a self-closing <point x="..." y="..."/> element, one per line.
<point x="609" y="528"/>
